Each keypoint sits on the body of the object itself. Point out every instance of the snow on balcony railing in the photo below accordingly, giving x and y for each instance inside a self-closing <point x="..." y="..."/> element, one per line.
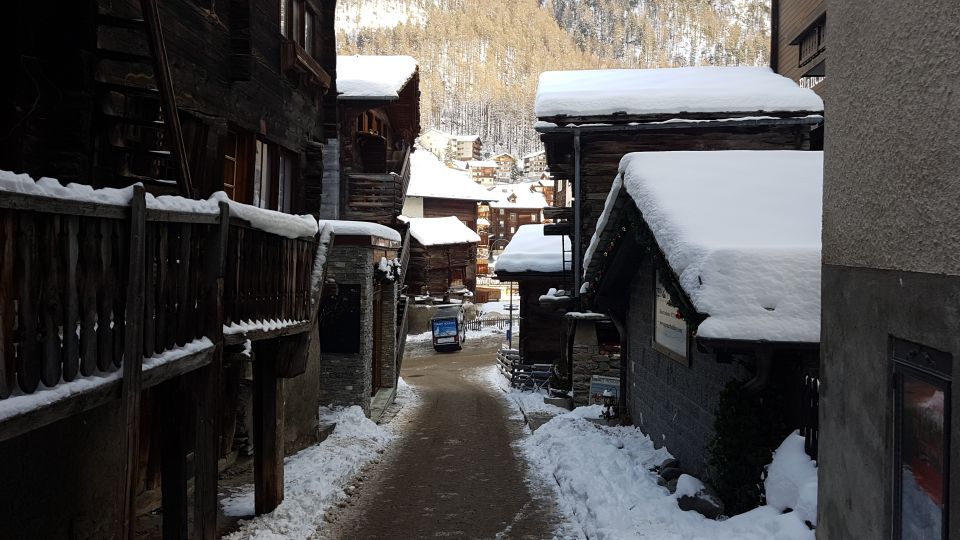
<point x="66" y="274"/>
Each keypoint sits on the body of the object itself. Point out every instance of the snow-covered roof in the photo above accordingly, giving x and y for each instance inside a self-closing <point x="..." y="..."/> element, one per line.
<point x="740" y="229"/>
<point x="465" y="138"/>
<point x="534" y="154"/>
<point x="441" y="231"/>
<point x="520" y="195"/>
<point x="706" y="89"/>
<point x="431" y="178"/>
<point x="360" y="228"/>
<point x="373" y="77"/>
<point x="530" y="251"/>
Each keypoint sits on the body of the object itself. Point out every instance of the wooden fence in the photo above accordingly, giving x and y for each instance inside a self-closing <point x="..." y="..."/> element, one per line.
<point x="499" y="322"/>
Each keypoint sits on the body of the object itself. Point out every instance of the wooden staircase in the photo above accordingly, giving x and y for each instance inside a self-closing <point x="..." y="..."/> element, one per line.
<point x="137" y="139"/>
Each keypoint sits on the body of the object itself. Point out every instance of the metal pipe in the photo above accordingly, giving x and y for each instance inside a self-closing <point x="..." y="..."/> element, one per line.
<point x="577" y="218"/>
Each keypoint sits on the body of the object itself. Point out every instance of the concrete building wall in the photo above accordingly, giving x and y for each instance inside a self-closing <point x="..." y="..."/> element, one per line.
<point x="672" y="403"/>
<point x="413" y="207"/>
<point x="891" y="243"/>
<point x="345" y="379"/>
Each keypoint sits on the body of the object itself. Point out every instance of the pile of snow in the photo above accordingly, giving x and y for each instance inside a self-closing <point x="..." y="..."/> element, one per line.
<point x="373" y="77"/>
<point x="314" y="479"/>
<point x="270" y="221"/>
<point x="554" y="295"/>
<point x="441" y="231"/>
<point x="522" y="402"/>
<point x="519" y="195"/>
<point x="531" y="251"/>
<point x="287" y="225"/>
<point x="792" y="480"/>
<point x="431" y="178"/>
<point x="604" y="486"/>
<point x="741" y="229"/>
<point x="707" y="89"/>
<point x="360" y="228"/>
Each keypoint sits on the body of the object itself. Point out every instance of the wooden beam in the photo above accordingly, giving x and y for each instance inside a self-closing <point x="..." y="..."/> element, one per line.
<point x="164" y="80"/>
<point x="208" y="388"/>
<point x="133" y="362"/>
<point x="173" y="458"/>
<point x="267" y="428"/>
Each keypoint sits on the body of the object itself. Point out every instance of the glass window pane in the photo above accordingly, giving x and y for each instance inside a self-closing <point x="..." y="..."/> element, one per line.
<point x="922" y="459"/>
<point x="308" y="23"/>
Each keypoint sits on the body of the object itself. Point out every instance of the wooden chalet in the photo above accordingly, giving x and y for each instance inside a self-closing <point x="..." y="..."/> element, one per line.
<point x="709" y="265"/>
<point x="703" y="108"/>
<point x="379" y="119"/>
<point x="126" y="321"/>
<point x="538" y="263"/>
<point x="438" y="191"/>
<point x="798" y="48"/>
<point x="514" y="205"/>
<point x="443" y="258"/>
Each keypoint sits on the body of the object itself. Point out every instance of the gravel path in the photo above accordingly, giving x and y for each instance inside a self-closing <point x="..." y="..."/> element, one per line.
<point x="454" y="473"/>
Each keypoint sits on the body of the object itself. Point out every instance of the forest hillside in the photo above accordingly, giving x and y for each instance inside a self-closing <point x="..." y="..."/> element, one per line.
<point x="480" y="59"/>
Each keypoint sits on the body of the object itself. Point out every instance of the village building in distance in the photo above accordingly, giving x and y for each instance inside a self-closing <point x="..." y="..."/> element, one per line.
<point x="515" y="205"/>
<point x="535" y="164"/>
<point x="483" y="172"/>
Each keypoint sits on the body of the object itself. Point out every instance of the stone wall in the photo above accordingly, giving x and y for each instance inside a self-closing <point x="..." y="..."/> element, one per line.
<point x="345" y="379"/>
<point x="672" y="403"/>
<point x="587" y="361"/>
<point x="388" y="335"/>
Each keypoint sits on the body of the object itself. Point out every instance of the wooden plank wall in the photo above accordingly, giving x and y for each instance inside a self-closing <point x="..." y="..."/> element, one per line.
<point x="430" y="267"/>
<point x="795" y="17"/>
<point x="463" y="210"/>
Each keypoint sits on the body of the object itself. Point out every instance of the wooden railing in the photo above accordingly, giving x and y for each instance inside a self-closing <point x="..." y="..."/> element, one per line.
<point x="67" y="279"/>
<point x="404" y="260"/>
<point x="377" y="197"/>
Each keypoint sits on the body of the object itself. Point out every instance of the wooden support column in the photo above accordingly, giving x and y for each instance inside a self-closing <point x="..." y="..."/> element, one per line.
<point x="173" y="457"/>
<point x="267" y="428"/>
<point x="208" y="389"/>
<point x="133" y="362"/>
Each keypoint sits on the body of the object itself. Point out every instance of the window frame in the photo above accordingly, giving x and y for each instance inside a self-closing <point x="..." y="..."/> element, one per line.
<point x="934" y="368"/>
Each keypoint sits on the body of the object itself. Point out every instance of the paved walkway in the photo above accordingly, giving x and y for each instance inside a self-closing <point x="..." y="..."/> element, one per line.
<point x="454" y="473"/>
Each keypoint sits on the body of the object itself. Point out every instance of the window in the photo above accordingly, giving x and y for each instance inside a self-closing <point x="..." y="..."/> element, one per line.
<point x="922" y="440"/>
<point x="670" y="330"/>
<point x="300" y="23"/>
<point x="513" y="230"/>
<point x="274" y="177"/>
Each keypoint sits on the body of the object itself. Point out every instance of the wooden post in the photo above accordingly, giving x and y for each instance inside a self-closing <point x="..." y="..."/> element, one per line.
<point x="208" y="388"/>
<point x="133" y="361"/>
<point x="173" y="458"/>
<point x="267" y="428"/>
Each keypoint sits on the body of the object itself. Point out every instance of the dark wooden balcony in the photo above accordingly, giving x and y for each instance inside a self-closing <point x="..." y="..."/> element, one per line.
<point x="378" y="197"/>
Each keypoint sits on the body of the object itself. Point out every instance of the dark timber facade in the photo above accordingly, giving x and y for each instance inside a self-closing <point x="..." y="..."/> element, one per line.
<point x="186" y="97"/>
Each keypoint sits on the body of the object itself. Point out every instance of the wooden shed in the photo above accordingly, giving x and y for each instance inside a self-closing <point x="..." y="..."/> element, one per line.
<point x="443" y="258"/>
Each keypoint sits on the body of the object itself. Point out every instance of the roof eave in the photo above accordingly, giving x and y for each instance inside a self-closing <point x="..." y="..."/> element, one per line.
<point x="811" y="118"/>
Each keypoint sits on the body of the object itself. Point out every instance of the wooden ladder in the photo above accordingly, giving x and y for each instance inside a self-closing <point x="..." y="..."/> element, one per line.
<point x="141" y="139"/>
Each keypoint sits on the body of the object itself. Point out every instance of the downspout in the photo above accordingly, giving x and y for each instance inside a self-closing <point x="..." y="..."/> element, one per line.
<point x="577" y="218"/>
<point x="775" y="35"/>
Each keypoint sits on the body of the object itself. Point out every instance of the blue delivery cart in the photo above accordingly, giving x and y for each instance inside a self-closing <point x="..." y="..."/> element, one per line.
<point x="449" y="331"/>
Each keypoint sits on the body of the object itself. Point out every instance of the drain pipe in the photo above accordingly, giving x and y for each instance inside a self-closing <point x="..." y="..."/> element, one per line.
<point x="577" y="219"/>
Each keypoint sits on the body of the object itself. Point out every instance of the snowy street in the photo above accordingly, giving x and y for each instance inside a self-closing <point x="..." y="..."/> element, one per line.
<point x="454" y="470"/>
